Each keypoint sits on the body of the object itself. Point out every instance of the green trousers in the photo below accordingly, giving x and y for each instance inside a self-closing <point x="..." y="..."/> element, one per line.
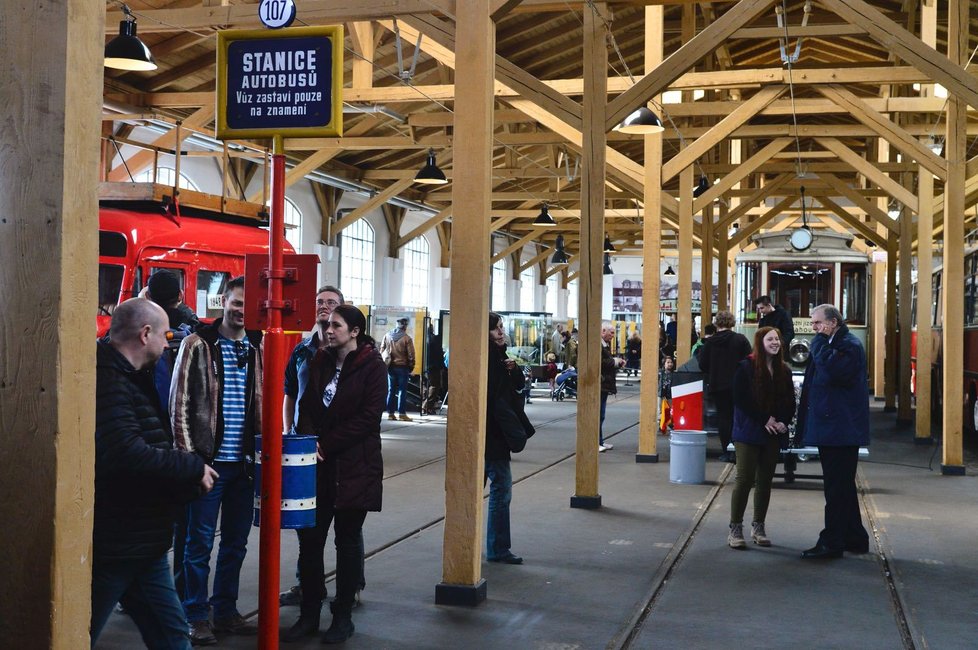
<point x="755" y="469"/>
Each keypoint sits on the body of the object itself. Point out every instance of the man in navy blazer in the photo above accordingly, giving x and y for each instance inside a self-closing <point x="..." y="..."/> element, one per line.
<point x="833" y="414"/>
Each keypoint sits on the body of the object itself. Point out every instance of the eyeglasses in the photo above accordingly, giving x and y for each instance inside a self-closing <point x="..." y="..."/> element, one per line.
<point x="241" y="353"/>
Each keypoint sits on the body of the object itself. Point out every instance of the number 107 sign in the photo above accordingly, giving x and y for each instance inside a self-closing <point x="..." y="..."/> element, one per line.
<point x="275" y="14"/>
<point x="287" y="82"/>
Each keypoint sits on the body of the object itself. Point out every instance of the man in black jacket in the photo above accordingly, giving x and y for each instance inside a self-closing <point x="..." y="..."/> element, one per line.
<point x="775" y="316"/>
<point x="140" y="481"/>
<point x="718" y="357"/>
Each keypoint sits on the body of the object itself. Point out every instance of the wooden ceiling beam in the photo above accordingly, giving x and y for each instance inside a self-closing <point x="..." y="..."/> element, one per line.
<point x="853" y="221"/>
<point x="871" y="172"/>
<point x="750" y="202"/>
<point x="908" y="47"/>
<point x="693" y="150"/>
<point x="371" y="203"/>
<point x="757" y="224"/>
<point x="886" y="128"/>
<point x="687" y="56"/>
<point x="739" y="173"/>
<point x="427" y="225"/>
<point x="857" y="199"/>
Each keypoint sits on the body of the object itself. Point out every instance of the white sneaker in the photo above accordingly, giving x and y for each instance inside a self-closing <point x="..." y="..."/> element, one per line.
<point x="608" y="445"/>
<point x="602" y="448"/>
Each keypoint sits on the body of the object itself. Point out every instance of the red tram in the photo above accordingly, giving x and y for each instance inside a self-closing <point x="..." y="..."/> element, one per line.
<point x="141" y="230"/>
<point x="969" y="353"/>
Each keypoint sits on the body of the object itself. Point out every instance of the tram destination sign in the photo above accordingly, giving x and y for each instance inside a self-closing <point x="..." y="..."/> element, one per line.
<point x="286" y="82"/>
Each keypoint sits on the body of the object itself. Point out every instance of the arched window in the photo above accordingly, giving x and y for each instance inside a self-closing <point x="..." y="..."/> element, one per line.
<point x="572" y="299"/>
<point x="528" y="284"/>
<point x="357" y="263"/>
<point x="498" y="301"/>
<point x="417" y="263"/>
<point x="293" y="225"/>
<point x="553" y="286"/>
<point x="166" y="176"/>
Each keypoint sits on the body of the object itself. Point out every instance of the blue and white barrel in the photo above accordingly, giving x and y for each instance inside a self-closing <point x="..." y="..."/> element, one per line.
<point x="298" y="481"/>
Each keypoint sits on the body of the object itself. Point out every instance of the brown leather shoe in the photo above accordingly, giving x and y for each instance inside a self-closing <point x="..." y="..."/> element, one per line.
<point x="235" y="624"/>
<point x="404" y="417"/>
<point x="201" y="633"/>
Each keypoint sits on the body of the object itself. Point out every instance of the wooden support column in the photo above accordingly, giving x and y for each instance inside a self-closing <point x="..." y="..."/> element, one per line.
<point x="592" y="242"/>
<point x="904" y="412"/>
<point x="462" y="582"/>
<point x="953" y="281"/>
<point x="891" y="337"/>
<point x="49" y="247"/>
<point x="706" y="268"/>
<point x="684" y="303"/>
<point x="925" y="298"/>
<point x="648" y="421"/>
<point x="877" y="356"/>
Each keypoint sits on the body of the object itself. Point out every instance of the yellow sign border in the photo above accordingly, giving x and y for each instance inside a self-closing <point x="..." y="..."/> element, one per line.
<point x="335" y="125"/>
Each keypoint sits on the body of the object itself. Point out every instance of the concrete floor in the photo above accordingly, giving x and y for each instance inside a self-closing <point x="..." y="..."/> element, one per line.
<point x="651" y="568"/>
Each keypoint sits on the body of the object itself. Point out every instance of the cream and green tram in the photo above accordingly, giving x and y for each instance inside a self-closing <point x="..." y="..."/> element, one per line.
<point x="800" y="272"/>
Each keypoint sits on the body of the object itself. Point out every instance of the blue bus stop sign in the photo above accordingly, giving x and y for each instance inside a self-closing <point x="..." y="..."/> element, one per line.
<point x="280" y="83"/>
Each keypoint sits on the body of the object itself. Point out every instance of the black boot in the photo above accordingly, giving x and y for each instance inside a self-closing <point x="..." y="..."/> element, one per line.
<point x="341" y="628"/>
<point x="307" y="625"/>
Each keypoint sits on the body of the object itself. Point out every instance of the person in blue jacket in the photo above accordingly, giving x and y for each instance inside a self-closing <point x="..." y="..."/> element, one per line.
<point x="764" y="405"/>
<point x="833" y="415"/>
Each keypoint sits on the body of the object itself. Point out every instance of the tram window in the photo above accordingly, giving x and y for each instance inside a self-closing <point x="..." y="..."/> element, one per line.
<point x="854" y="296"/>
<point x="800" y="287"/>
<point x="936" y="295"/>
<point x="913" y="306"/>
<point x="111" y="244"/>
<point x="748" y="288"/>
<point x="109" y="287"/>
<point x="210" y="288"/>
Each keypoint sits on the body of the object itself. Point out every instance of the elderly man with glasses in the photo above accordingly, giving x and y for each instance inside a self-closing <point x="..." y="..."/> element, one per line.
<point x="215" y="409"/>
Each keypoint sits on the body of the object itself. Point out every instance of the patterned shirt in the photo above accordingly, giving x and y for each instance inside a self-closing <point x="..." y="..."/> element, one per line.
<point x="235" y="357"/>
<point x="330" y="391"/>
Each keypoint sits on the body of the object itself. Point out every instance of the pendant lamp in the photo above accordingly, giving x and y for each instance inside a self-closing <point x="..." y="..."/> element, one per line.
<point x="607" y="265"/>
<point x="701" y="187"/>
<point x="608" y="246"/>
<point x="126" y="51"/>
<point x="544" y="218"/>
<point x="430" y="174"/>
<point x="642" y="121"/>
<point x="560" y="256"/>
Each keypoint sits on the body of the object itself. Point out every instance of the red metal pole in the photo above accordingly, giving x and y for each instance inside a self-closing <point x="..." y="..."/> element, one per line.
<point x="271" y="449"/>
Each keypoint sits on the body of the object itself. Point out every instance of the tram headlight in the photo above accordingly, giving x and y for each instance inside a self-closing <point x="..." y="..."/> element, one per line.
<point x="798" y="351"/>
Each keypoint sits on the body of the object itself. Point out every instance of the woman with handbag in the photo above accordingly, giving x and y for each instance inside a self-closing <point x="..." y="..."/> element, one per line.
<point x="764" y="404"/>
<point x="506" y="430"/>
<point x="343" y="407"/>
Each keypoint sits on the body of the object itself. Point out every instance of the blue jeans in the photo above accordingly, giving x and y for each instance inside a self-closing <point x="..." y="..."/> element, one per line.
<point x="397" y="395"/>
<point x="145" y="589"/>
<point x="233" y="495"/>
<point x="500" y="495"/>
<point x="604" y="406"/>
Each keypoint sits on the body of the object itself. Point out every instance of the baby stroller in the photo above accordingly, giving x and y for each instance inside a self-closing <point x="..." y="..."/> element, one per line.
<point x="566" y="385"/>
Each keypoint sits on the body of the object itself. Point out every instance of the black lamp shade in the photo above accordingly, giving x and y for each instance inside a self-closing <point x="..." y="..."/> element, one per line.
<point x="607" y="265"/>
<point x="560" y="257"/>
<point x="544" y="218"/>
<point x="670" y="272"/>
<point x="641" y="121"/>
<point x="127" y="52"/>
<point x="701" y="187"/>
<point x="608" y="246"/>
<point x="430" y="174"/>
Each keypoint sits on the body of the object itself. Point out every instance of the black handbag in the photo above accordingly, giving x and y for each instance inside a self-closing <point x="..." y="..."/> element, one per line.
<point x="510" y="418"/>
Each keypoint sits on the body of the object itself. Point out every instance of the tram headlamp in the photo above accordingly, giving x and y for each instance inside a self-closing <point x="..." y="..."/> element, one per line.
<point x="799" y="351"/>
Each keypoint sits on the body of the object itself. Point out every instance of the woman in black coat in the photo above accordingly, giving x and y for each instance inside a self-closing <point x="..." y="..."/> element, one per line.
<point x="764" y="404"/>
<point x="505" y="380"/>
<point x="343" y="407"/>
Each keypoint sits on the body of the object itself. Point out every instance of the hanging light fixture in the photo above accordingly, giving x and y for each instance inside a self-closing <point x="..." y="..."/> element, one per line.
<point x="430" y="174"/>
<point x="126" y="51"/>
<point x="607" y="265"/>
<point x="701" y="187"/>
<point x="608" y="246"/>
<point x="669" y="272"/>
<point x="642" y="121"/>
<point x="544" y="218"/>
<point x="560" y="256"/>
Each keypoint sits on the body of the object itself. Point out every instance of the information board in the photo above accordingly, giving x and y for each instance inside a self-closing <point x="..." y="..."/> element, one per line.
<point x="286" y="82"/>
